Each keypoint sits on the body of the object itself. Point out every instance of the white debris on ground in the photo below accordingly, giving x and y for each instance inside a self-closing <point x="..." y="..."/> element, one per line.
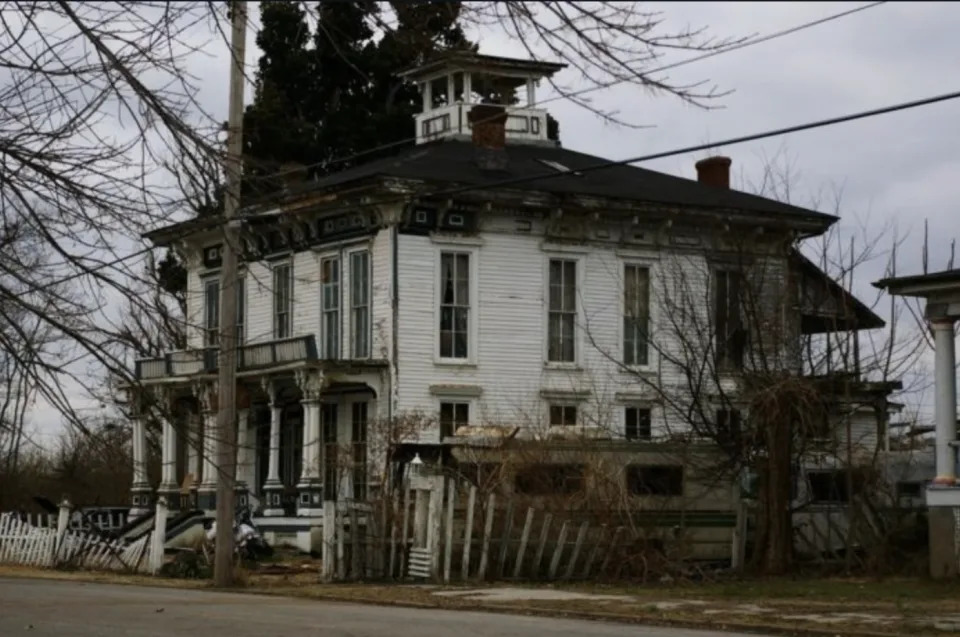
<point x="708" y="608"/>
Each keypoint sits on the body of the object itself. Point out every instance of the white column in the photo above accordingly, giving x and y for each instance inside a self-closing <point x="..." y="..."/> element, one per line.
<point x="531" y="93"/>
<point x="210" y="436"/>
<point x="427" y="96"/>
<point x="139" y="453"/>
<point x="168" y="471"/>
<point x="945" y="387"/>
<point x="467" y="87"/>
<point x="193" y="448"/>
<point x="311" y="440"/>
<point x="451" y="88"/>
<point x="273" y="468"/>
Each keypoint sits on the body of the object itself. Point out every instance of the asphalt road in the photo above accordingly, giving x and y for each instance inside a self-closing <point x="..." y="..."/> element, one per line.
<point x="43" y="608"/>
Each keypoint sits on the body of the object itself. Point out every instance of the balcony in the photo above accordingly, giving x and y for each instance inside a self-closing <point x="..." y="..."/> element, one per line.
<point x="249" y="357"/>
<point x="522" y="123"/>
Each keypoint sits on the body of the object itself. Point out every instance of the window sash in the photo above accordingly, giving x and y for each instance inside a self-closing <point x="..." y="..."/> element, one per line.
<point x="453" y="416"/>
<point x="282" y="300"/>
<point x="728" y="320"/>
<point x="562" y="312"/>
<point x="330" y="307"/>
<point x="636" y="315"/>
<point x="637" y="423"/>
<point x="211" y="293"/>
<point x="563" y="415"/>
<point x="454" y="305"/>
<point x="360" y="303"/>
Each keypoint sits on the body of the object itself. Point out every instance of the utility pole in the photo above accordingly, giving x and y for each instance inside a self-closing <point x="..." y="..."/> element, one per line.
<point x="227" y="378"/>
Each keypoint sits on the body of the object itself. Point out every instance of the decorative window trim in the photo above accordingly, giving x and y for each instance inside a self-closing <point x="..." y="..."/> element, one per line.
<point x="565" y="396"/>
<point x="441" y="238"/>
<point x="564" y="249"/>
<point x="456" y="391"/>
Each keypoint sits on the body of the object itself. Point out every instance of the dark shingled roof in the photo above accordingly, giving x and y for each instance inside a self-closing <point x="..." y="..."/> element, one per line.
<point x="453" y="162"/>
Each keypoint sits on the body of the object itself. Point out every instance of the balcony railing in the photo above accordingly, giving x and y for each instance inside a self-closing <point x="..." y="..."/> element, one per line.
<point x="252" y="356"/>
<point x="522" y="123"/>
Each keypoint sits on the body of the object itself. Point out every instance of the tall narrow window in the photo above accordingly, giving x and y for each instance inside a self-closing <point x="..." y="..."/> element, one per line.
<point x="330" y="300"/>
<point x="453" y="416"/>
<point x="637" y="423"/>
<point x="328" y="421"/>
<point x="241" y="309"/>
<point x="636" y="314"/>
<point x="561" y="326"/>
<point x="360" y="303"/>
<point x="211" y="301"/>
<point x="359" y="450"/>
<point x="728" y="324"/>
<point x="454" y="304"/>
<point x="282" y="300"/>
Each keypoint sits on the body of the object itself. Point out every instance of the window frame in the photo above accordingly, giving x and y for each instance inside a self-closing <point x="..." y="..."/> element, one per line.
<point x="336" y="312"/>
<point x="211" y="335"/>
<point x="577" y="258"/>
<point x="368" y="289"/>
<point x="473" y="313"/>
<point x="639" y="408"/>
<point x="722" y="359"/>
<point x="455" y="402"/>
<point x="288" y="264"/>
<point x="563" y="406"/>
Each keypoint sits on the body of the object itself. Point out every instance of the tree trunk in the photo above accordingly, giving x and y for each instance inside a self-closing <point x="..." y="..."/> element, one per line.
<point x="773" y="552"/>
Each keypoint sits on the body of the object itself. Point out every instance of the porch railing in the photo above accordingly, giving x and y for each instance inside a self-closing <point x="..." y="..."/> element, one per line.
<point x="252" y="356"/>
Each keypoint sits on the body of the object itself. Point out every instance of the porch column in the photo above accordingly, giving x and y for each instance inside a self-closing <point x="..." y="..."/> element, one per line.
<point x="168" y="468"/>
<point x="140" y="492"/>
<point x="273" y="487"/>
<point x="244" y="457"/>
<point x="207" y="491"/>
<point x="945" y="388"/>
<point x="194" y="421"/>
<point x="310" y="486"/>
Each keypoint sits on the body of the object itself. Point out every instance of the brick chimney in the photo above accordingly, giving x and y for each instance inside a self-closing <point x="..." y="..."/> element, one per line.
<point x="488" y="122"/>
<point x="714" y="171"/>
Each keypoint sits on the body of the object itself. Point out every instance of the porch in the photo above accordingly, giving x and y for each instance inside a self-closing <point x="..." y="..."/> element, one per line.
<point x="302" y="432"/>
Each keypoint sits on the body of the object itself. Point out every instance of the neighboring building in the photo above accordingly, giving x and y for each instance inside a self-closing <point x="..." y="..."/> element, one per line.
<point x="485" y="276"/>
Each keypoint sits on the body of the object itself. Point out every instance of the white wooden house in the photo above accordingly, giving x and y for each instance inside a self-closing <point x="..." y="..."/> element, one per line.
<point x="483" y="276"/>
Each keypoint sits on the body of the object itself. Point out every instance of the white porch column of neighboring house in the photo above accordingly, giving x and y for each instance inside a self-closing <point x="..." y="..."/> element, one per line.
<point x="140" y="491"/>
<point x="194" y="423"/>
<point x="207" y="491"/>
<point x="945" y="386"/>
<point x="310" y="486"/>
<point x="273" y="487"/>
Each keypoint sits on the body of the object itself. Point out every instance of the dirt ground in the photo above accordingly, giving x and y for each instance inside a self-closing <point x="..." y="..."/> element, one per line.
<point x="789" y="606"/>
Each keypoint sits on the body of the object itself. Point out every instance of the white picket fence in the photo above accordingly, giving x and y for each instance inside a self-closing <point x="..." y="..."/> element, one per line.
<point x="24" y="544"/>
<point x="104" y="520"/>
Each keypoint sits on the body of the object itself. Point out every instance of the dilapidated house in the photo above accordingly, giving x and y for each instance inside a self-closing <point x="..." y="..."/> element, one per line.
<point x="499" y="285"/>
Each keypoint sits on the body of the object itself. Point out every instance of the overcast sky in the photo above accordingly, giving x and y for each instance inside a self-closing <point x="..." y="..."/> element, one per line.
<point x="900" y="168"/>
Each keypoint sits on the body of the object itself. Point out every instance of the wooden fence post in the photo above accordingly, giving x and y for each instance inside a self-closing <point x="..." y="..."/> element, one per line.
<point x="505" y="538"/>
<point x="576" y="550"/>
<point x="468" y="533"/>
<point x="487" y="531"/>
<point x="544" y="534"/>
<point x="524" y="537"/>
<point x="558" y="552"/>
<point x="435" y="518"/>
<point x="739" y="538"/>
<point x="448" y="540"/>
<point x="341" y="533"/>
<point x="355" y="542"/>
<point x="329" y="539"/>
<point x="594" y="551"/>
<point x="160" y="536"/>
<point x="394" y="536"/>
<point x="404" y="530"/>
<point x="610" y="549"/>
<point x="63" y="521"/>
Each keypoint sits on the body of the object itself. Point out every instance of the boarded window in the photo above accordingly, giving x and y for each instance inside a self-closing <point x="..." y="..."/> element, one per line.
<point x="655" y="480"/>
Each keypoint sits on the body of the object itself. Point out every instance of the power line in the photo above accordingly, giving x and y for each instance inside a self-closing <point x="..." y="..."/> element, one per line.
<point x="213" y="222"/>
<point x="733" y="47"/>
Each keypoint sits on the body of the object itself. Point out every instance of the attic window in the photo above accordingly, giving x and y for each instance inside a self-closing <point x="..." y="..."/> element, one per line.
<point x="560" y="168"/>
